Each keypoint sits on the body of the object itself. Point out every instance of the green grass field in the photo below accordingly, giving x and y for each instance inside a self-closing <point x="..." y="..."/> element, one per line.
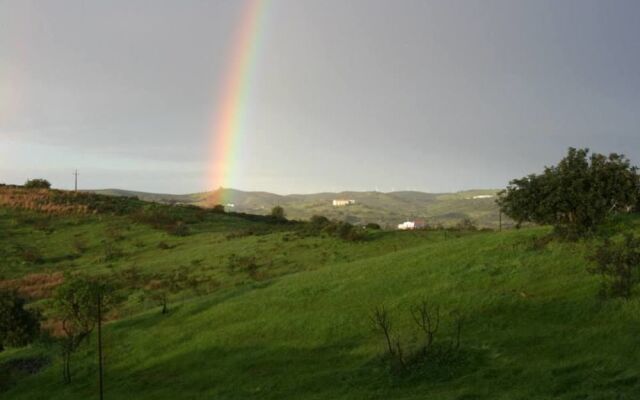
<point x="300" y="328"/>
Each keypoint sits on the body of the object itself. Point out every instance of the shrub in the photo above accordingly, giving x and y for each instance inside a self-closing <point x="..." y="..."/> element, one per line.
<point x="373" y="226"/>
<point x="239" y="234"/>
<point x="80" y="245"/>
<point x="427" y="319"/>
<point x="349" y="232"/>
<point x="618" y="263"/>
<point x="159" y="289"/>
<point x="18" y="326"/>
<point x="114" y="232"/>
<point x="278" y="214"/>
<point x="540" y="243"/>
<point x="178" y="229"/>
<point x="112" y="252"/>
<point x="218" y="208"/>
<point x="466" y="225"/>
<point x="44" y="225"/>
<point x="31" y="255"/>
<point x="319" y="221"/>
<point x="37" y="184"/>
<point x="245" y="264"/>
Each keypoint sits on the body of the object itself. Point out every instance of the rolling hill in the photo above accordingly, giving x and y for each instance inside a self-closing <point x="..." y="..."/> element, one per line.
<point x="387" y="209"/>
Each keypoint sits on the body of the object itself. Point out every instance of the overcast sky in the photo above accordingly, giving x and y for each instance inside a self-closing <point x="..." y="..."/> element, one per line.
<point x="359" y="94"/>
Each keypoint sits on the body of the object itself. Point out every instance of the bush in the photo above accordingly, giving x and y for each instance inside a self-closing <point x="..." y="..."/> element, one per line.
<point x="278" y="214"/>
<point x="540" y="243"/>
<point x="373" y="226"/>
<point x="31" y="255"/>
<point x="349" y="232"/>
<point x="178" y="229"/>
<point x="218" y="208"/>
<point x="344" y="230"/>
<point x="427" y="318"/>
<point x="319" y="221"/>
<point x="466" y="225"/>
<point x="37" y="184"/>
<point x="618" y="263"/>
<point x="112" y="252"/>
<point x="18" y="326"/>
<point x="80" y="245"/>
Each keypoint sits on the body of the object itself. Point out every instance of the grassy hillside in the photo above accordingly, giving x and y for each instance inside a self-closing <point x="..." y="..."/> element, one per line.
<point x="533" y="325"/>
<point x="387" y="209"/>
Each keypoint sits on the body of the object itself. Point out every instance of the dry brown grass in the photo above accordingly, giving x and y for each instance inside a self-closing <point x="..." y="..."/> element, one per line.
<point x="34" y="286"/>
<point x="37" y="200"/>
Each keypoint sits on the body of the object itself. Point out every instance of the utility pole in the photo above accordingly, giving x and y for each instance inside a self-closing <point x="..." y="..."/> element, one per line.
<point x="100" y="345"/>
<point x="75" y="175"/>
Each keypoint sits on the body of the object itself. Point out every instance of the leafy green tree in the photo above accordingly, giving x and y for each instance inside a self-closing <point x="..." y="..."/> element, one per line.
<point x="18" y="326"/>
<point x="576" y="195"/>
<point x="80" y="303"/>
<point x="277" y="213"/>
<point x="37" y="184"/>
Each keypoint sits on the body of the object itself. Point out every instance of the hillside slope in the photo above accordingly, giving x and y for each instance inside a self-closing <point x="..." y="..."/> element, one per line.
<point x="534" y="327"/>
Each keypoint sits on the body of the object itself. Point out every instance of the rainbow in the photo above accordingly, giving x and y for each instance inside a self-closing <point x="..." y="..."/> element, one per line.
<point x="229" y="117"/>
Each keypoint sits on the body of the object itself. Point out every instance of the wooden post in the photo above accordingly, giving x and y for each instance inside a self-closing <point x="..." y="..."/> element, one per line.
<point x="100" y="346"/>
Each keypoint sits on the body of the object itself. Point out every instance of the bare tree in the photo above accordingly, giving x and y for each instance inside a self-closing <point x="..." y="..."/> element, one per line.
<point x="428" y="320"/>
<point x="382" y="323"/>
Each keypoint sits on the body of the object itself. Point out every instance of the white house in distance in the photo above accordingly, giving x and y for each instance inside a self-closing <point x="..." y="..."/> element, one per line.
<point x="409" y="225"/>
<point x="342" y="202"/>
<point x="483" y="196"/>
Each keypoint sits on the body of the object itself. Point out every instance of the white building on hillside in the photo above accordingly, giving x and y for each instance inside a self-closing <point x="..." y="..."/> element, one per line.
<point x="483" y="196"/>
<point x="409" y="225"/>
<point x="342" y="202"/>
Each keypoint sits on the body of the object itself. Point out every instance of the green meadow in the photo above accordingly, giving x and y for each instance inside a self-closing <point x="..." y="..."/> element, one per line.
<point x="272" y="312"/>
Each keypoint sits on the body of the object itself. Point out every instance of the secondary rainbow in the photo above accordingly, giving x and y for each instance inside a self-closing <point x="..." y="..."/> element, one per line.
<point x="229" y="117"/>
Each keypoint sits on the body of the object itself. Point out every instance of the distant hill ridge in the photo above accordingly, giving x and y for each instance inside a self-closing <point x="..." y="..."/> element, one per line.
<point x="386" y="208"/>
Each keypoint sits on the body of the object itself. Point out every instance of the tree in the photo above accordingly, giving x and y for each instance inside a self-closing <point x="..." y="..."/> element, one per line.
<point x="80" y="303"/>
<point x="160" y="288"/>
<point x="218" y="208"/>
<point x="18" y="326"/>
<point x="37" y="184"/>
<point x="575" y="196"/>
<point x="618" y="263"/>
<point x="277" y="213"/>
<point x="319" y="221"/>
